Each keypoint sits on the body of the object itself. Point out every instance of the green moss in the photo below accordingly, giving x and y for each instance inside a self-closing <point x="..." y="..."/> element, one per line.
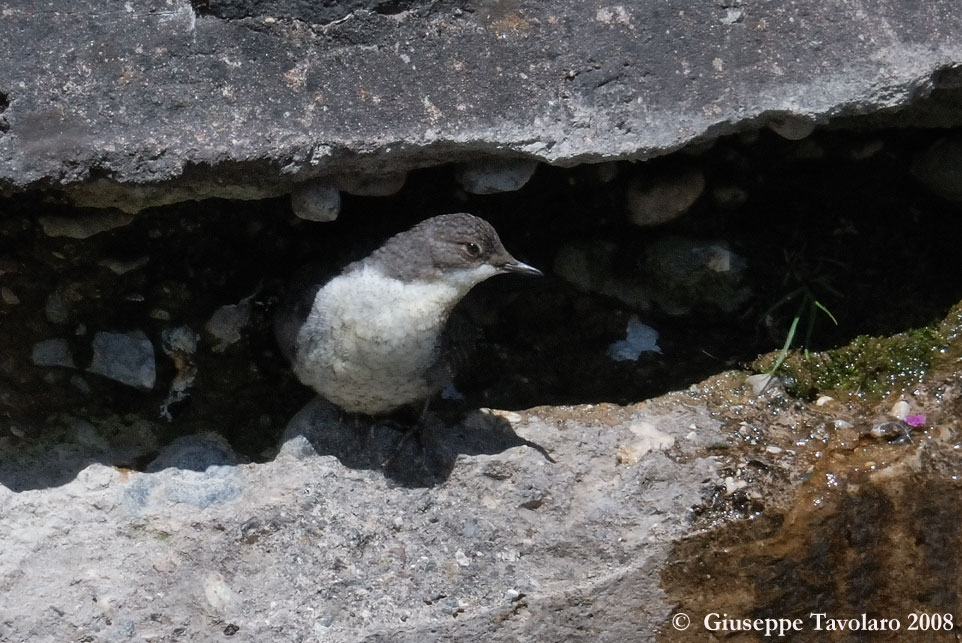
<point x="869" y="366"/>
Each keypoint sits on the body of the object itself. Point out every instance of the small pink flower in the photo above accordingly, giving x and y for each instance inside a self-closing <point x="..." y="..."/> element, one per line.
<point x="915" y="420"/>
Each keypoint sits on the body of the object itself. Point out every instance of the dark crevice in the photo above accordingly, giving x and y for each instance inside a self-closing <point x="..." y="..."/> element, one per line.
<point x="4" y="104"/>
<point x="393" y="7"/>
<point x="839" y="212"/>
<point x="201" y="7"/>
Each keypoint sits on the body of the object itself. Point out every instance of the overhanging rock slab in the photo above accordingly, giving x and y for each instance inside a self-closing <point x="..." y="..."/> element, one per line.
<point x="244" y="99"/>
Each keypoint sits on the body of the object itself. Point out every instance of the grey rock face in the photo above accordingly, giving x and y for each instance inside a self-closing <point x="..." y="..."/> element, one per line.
<point x="274" y="98"/>
<point x="346" y="555"/>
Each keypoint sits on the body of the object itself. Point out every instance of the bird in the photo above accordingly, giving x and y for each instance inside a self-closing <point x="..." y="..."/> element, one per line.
<point x="373" y="338"/>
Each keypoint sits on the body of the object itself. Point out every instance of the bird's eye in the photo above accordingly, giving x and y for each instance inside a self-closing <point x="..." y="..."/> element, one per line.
<point x="471" y="249"/>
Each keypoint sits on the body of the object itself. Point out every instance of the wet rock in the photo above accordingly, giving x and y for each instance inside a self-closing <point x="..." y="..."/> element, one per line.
<point x="664" y="197"/>
<point x="939" y="168"/>
<point x="127" y="358"/>
<point x="687" y="274"/>
<point x="897" y="432"/>
<point x="318" y="200"/>
<point x="84" y="227"/>
<point x="52" y="352"/>
<point x="640" y="338"/>
<point x="496" y="175"/>
<point x="227" y="322"/>
<point x="372" y="184"/>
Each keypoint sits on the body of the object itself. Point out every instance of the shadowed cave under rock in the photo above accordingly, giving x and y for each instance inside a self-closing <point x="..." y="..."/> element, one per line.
<point x="842" y="213"/>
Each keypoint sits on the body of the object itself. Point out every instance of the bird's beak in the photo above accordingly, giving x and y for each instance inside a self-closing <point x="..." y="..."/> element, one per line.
<point x="521" y="268"/>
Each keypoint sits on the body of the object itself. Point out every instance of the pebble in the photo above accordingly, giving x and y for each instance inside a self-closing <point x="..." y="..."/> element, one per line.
<point x="127" y="358"/>
<point x="639" y="338"/>
<point x="665" y="198"/>
<point x="181" y="340"/>
<point x="492" y="176"/>
<point x="84" y="227"/>
<point x="316" y="200"/>
<point x="761" y="382"/>
<point x="793" y="128"/>
<point x="227" y="322"/>
<point x="732" y="485"/>
<point x="900" y="410"/>
<point x="892" y="431"/>
<point x="9" y="297"/>
<point x="650" y="439"/>
<point x="53" y="352"/>
<point x="119" y="267"/>
<point x="371" y="184"/>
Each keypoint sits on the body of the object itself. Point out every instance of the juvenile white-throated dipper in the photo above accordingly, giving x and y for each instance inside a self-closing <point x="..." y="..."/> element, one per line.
<point x="371" y="340"/>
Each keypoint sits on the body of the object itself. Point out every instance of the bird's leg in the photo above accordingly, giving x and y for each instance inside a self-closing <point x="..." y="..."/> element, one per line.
<point x="418" y="425"/>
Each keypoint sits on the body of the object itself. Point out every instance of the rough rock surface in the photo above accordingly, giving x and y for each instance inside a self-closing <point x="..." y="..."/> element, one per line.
<point x="504" y="544"/>
<point x="245" y="99"/>
<point x="649" y="519"/>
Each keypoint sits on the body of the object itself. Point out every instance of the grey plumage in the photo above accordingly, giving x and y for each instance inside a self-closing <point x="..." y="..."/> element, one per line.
<point x="372" y="339"/>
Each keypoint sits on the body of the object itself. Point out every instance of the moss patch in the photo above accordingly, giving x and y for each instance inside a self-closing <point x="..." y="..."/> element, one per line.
<point x="871" y="367"/>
